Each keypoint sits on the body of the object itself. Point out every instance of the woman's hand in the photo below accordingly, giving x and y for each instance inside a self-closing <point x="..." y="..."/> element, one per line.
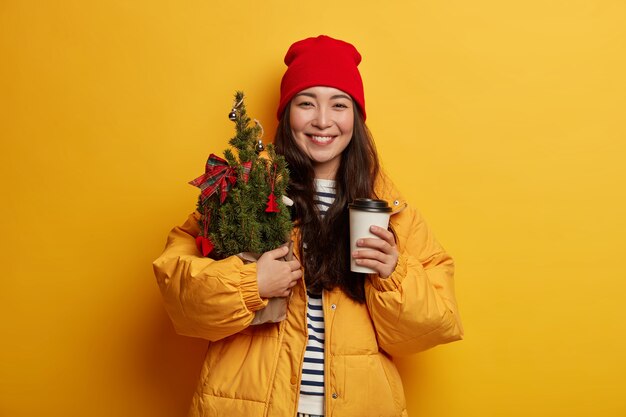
<point x="275" y="278"/>
<point x="379" y="254"/>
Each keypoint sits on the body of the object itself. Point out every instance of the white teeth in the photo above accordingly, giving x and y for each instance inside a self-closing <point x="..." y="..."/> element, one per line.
<point x="322" y="139"/>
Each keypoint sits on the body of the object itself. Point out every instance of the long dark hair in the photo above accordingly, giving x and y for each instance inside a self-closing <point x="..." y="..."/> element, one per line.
<point x="324" y="242"/>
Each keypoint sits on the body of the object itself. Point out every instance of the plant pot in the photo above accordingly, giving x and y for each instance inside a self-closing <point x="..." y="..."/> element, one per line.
<point x="276" y="308"/>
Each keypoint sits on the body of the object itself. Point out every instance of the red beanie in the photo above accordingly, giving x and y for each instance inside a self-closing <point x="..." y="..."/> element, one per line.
<point x="321" y="61"/>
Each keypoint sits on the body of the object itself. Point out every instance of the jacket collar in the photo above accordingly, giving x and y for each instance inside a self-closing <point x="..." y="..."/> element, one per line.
<point x="385" y="189"/>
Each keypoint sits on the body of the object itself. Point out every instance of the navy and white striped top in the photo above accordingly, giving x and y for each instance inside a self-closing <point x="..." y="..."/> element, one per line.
<point x="312" y="382"/>
<point x="324" y="195"/>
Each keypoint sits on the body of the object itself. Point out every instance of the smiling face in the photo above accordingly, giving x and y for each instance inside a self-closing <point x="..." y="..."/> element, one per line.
<point x="322" y="122"/>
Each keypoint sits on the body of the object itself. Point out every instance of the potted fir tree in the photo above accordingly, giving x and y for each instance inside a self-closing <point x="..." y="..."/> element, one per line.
<point x="242" y="201"/>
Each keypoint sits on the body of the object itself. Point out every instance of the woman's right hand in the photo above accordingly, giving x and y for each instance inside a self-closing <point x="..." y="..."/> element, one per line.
<point x="275" y="277"/>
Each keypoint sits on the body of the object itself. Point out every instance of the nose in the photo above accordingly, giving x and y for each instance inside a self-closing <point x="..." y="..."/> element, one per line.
<point x="322" y="118"/>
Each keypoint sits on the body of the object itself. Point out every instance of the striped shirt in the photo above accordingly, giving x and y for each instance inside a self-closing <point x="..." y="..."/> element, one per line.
<point x="312" y="382"/>
<point x="324" y="195"/>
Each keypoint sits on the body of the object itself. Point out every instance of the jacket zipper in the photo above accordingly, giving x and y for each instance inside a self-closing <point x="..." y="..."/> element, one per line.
<point x="274" y="365"/>
<point x="325" y="298"/>
<point x="306" y="338"/>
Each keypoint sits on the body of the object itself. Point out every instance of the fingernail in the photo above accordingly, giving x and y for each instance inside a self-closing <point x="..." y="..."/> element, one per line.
<point x="359" y="242"/>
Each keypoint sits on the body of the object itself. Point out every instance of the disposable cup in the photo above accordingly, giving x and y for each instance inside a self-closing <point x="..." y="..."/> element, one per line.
<point x="364" y="213"/>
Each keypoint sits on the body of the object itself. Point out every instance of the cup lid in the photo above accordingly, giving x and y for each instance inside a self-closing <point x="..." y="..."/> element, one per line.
<point x="369" y="204"/>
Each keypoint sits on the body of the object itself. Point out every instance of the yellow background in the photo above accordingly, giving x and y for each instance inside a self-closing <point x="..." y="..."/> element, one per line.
<point x="502" y="121"/>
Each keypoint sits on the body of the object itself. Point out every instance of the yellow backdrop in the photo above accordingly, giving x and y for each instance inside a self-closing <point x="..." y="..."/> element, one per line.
<point x="502" y="121"/>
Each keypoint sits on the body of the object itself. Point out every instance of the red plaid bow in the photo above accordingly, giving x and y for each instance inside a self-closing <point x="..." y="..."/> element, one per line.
<point x="219" y="175"/>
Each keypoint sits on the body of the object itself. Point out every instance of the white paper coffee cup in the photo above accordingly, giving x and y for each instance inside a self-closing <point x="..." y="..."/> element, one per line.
<point x="364" y="213"/>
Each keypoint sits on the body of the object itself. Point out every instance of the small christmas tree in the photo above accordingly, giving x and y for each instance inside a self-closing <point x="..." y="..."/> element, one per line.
<point x="241" y="203"/>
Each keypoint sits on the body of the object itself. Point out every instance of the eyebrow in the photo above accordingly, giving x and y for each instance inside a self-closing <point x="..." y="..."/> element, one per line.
<point x="336" y="96"/>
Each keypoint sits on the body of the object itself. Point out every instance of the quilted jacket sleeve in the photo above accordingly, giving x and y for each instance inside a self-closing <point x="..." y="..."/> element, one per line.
<point x="415" y="308"/>
<point x="204" y="297"/>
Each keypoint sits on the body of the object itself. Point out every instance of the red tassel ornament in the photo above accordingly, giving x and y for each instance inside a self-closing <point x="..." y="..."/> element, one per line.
<point x="204" y="244"/>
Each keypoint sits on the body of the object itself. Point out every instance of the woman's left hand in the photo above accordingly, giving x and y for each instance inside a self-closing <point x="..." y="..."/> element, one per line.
<point x="379" y="254"/>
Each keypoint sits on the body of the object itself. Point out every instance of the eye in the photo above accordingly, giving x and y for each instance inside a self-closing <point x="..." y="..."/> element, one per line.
<point x="341" y="104"/>
<point x="305" y="104"/>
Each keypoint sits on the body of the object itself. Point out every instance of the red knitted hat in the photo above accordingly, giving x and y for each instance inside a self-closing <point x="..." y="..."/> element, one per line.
<point x="322" y="61"/>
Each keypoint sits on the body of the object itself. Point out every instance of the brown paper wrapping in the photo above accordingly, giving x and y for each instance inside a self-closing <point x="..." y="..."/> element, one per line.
<point x="276" y="308"/>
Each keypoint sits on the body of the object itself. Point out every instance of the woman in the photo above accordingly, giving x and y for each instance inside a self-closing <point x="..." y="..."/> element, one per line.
<point x="332" y="354"/>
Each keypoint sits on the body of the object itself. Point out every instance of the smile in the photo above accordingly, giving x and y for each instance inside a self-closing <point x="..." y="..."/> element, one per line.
<point x="322" y="140"/>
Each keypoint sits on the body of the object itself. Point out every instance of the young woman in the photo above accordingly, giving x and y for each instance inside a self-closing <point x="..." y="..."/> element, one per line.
<point x="332" y="355"/>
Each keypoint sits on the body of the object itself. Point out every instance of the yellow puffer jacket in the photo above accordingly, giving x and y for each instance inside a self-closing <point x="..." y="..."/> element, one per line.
<point x="254" y="371"/>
